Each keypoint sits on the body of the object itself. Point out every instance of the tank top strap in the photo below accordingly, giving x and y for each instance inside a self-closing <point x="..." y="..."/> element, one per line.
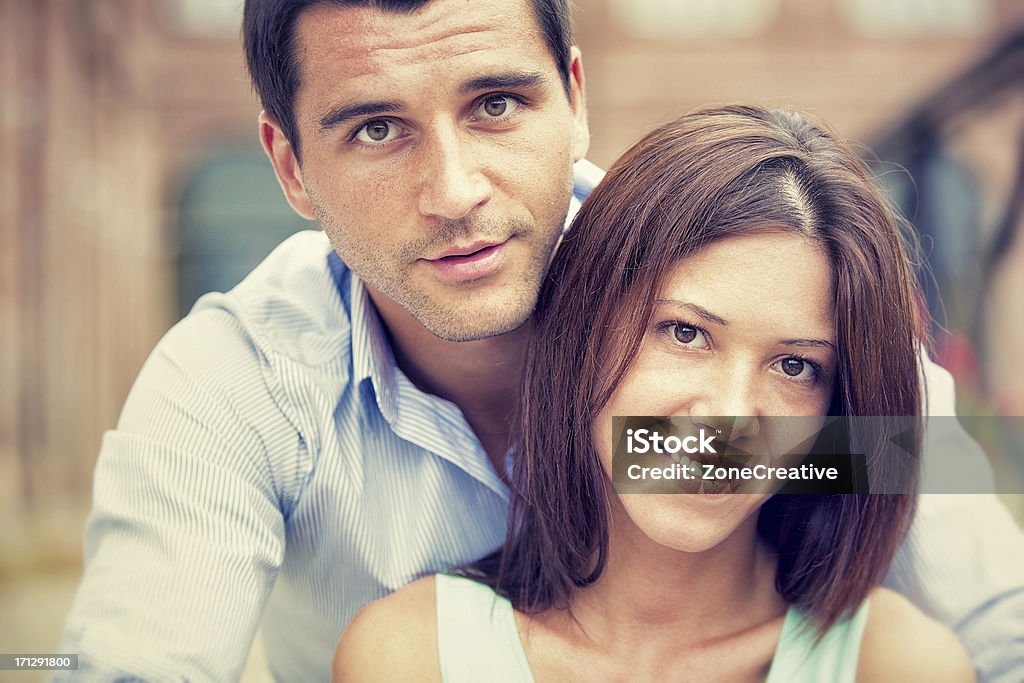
<point x="477" y="638"/>
<point x="833" y="658"/>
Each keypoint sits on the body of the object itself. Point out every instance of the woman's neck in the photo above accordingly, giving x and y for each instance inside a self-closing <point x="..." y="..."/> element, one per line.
<point x="656" y="610"/>
<point x="710" y="594"/>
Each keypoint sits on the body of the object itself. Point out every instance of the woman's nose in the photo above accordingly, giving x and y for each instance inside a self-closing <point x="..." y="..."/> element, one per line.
<point x="729" y="427"/>
<point x="730" y="404"/>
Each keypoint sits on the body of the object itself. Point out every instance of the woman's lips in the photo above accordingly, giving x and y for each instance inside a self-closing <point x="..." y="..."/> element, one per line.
<point x="712" y="488"/>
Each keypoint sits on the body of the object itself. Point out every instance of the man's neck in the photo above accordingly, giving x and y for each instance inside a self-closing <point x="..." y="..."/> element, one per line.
<point x="481" y="377"/>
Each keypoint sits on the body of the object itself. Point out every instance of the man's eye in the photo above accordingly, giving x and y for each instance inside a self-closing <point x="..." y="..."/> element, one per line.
<point x="377" y="131"/>
<point x="496" y="106"/>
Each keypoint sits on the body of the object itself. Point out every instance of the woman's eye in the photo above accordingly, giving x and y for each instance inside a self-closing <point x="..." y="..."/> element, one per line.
<point x="496" y="106"/>
<point x="797" y="368"/>
<point x="688" y="335"/>
<point x="377" y="131"/>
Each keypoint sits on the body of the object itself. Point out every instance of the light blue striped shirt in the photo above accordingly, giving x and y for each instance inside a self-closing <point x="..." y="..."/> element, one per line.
<point x="273" y="465"/>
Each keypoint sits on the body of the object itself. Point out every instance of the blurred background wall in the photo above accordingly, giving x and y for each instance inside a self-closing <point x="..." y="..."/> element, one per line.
<point x="132" y="182"/>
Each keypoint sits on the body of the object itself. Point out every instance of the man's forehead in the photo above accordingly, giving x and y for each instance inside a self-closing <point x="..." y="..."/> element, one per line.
<point x="354" y="40"/>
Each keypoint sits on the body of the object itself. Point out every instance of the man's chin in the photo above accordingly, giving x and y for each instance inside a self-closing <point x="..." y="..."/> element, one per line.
<point x="454" y="327"/>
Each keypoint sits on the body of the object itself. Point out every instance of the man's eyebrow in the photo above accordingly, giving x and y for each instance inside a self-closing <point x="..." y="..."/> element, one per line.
<point x="699" y="310"/>
<point x="342" y="113"/>
<point x="505" y="81"/>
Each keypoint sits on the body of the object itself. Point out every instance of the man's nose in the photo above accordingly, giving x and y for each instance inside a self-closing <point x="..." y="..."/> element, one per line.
<point x="453" y="181"/>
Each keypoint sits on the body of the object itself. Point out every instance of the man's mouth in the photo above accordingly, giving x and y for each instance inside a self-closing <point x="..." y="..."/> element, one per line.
<point x="466" y="251"/>
<point x="466" y="263"/>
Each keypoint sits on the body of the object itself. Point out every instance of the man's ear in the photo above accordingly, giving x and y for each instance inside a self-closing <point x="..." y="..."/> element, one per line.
<point x="578" y="103"/>
<point x="286" y="166"/>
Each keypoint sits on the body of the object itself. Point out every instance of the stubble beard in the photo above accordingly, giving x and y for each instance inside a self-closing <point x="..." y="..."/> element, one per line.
<point x="451" y="318"/>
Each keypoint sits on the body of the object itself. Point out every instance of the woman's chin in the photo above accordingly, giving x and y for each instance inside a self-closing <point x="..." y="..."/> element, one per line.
<point x="690" y="523"/>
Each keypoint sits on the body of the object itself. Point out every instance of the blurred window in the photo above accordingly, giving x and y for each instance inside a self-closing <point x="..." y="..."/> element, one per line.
<point x="943" y="201"/>
<point x="909" y="18"/>
<point x="206" y="18"/>
<point x="230" y="216"/>
<point x="694" y="18"/>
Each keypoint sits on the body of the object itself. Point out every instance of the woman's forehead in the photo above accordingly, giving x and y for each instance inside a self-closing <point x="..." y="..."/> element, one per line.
<point x="775" y="279"/>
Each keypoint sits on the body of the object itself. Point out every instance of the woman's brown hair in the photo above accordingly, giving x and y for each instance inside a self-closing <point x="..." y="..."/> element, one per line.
<point x="708" y="175"/>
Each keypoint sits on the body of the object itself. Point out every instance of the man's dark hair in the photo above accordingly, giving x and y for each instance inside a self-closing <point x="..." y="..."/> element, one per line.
<point x="268" y="35"/>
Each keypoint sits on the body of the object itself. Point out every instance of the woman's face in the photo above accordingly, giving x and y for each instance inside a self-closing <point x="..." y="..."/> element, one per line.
<point x="742" y="330"/>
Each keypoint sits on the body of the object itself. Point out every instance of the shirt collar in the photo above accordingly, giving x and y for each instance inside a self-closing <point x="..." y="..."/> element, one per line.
<point x="372" y="357"/>
<point x="574" y="206"/>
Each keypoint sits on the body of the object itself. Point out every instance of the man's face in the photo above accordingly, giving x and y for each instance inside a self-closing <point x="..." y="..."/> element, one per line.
<point x="437" y="155"/>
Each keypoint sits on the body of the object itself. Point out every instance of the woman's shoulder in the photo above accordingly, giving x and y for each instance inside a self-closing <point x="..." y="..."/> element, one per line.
<point x="901" y="643"/>
<point x="392" y="639"/>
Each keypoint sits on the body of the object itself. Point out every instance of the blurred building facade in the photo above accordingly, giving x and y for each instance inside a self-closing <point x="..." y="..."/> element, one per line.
<point x="131" y="173"/>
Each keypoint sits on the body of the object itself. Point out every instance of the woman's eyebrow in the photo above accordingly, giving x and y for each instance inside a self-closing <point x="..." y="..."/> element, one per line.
<point x="702" y="312"/>
<point x="810" y="343"/>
